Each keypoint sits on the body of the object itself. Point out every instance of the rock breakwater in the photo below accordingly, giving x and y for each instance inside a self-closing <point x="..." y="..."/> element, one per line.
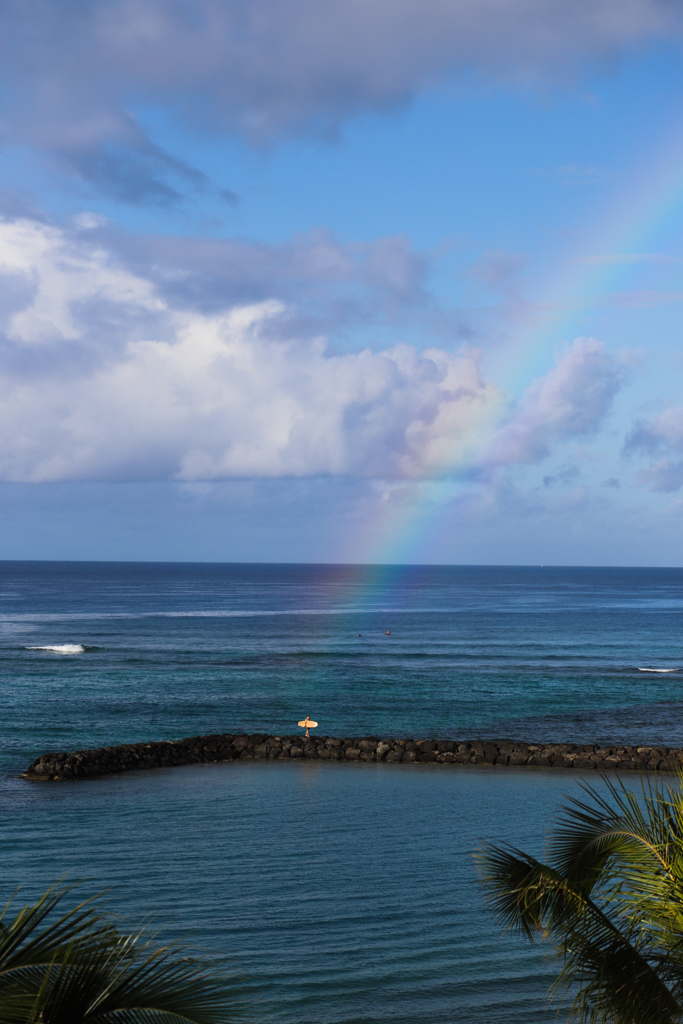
<point x="81" y="764"/>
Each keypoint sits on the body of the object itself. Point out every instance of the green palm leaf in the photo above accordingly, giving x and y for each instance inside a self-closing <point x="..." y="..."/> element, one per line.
<point x="81" y="968"/>
<point x="609" y="902"/>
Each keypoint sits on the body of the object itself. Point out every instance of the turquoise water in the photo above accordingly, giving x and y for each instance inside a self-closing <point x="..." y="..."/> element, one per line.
<point x="342" y="893"/>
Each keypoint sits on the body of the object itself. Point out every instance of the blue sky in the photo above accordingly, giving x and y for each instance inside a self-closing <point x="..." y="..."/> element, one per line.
<point x="342" y="281"/>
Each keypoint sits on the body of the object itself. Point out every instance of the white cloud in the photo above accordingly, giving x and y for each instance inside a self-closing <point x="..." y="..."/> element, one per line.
<point x="663" y="475"/>
<point x="72" y="72"/>
<point x="654" y="435"/>
<point x="312" y="270"/>
<point x="499" y="270"/>
<point x="101" y="378"/>
<point x="664" y="430"/>
<point x="569" y="401"/>
<point x="63" y="276"/>
<point x="223" y="399"/>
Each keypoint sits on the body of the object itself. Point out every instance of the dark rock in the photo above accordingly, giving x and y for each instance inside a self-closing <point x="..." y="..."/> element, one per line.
<point x="488" y="757"/>
<point x="518" y="758"/>
<point x="485" y="750"/>
<point x="226" y="747"/>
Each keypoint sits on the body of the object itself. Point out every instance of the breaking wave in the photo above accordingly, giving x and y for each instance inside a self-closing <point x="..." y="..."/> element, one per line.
<point x="659" y="669"/>
<point x="60" y="648"/>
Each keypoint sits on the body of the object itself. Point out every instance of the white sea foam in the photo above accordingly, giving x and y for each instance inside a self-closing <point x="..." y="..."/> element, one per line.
<point x="60" y="648"/>
<point x="658" y="669"/>
<point x="226" y="613"/>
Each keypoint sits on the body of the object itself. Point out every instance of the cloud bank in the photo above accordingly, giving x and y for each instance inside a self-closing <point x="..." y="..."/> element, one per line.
<point x="661" y="435"/>
<point x="74" y="73"/>
<point x="571" y="401"/>
<point x="103" y="376"/>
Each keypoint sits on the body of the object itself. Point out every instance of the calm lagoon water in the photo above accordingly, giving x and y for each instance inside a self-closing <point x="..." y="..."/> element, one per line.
<point x="341" y="893"/>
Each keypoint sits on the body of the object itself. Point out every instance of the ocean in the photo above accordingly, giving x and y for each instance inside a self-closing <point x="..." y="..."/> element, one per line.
<point x="330" y="893"/>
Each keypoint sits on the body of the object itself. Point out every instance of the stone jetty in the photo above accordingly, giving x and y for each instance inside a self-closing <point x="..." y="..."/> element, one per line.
<point x="82" y="764"/>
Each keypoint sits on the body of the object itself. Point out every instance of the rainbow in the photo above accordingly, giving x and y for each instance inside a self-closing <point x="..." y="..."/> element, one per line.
<point x="632" y="231"/>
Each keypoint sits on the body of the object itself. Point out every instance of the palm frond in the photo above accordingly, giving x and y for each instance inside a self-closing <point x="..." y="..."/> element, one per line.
<point x="610" y="903"/>
<point x="24" y="944"/>
<point x="80" y="968"/>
